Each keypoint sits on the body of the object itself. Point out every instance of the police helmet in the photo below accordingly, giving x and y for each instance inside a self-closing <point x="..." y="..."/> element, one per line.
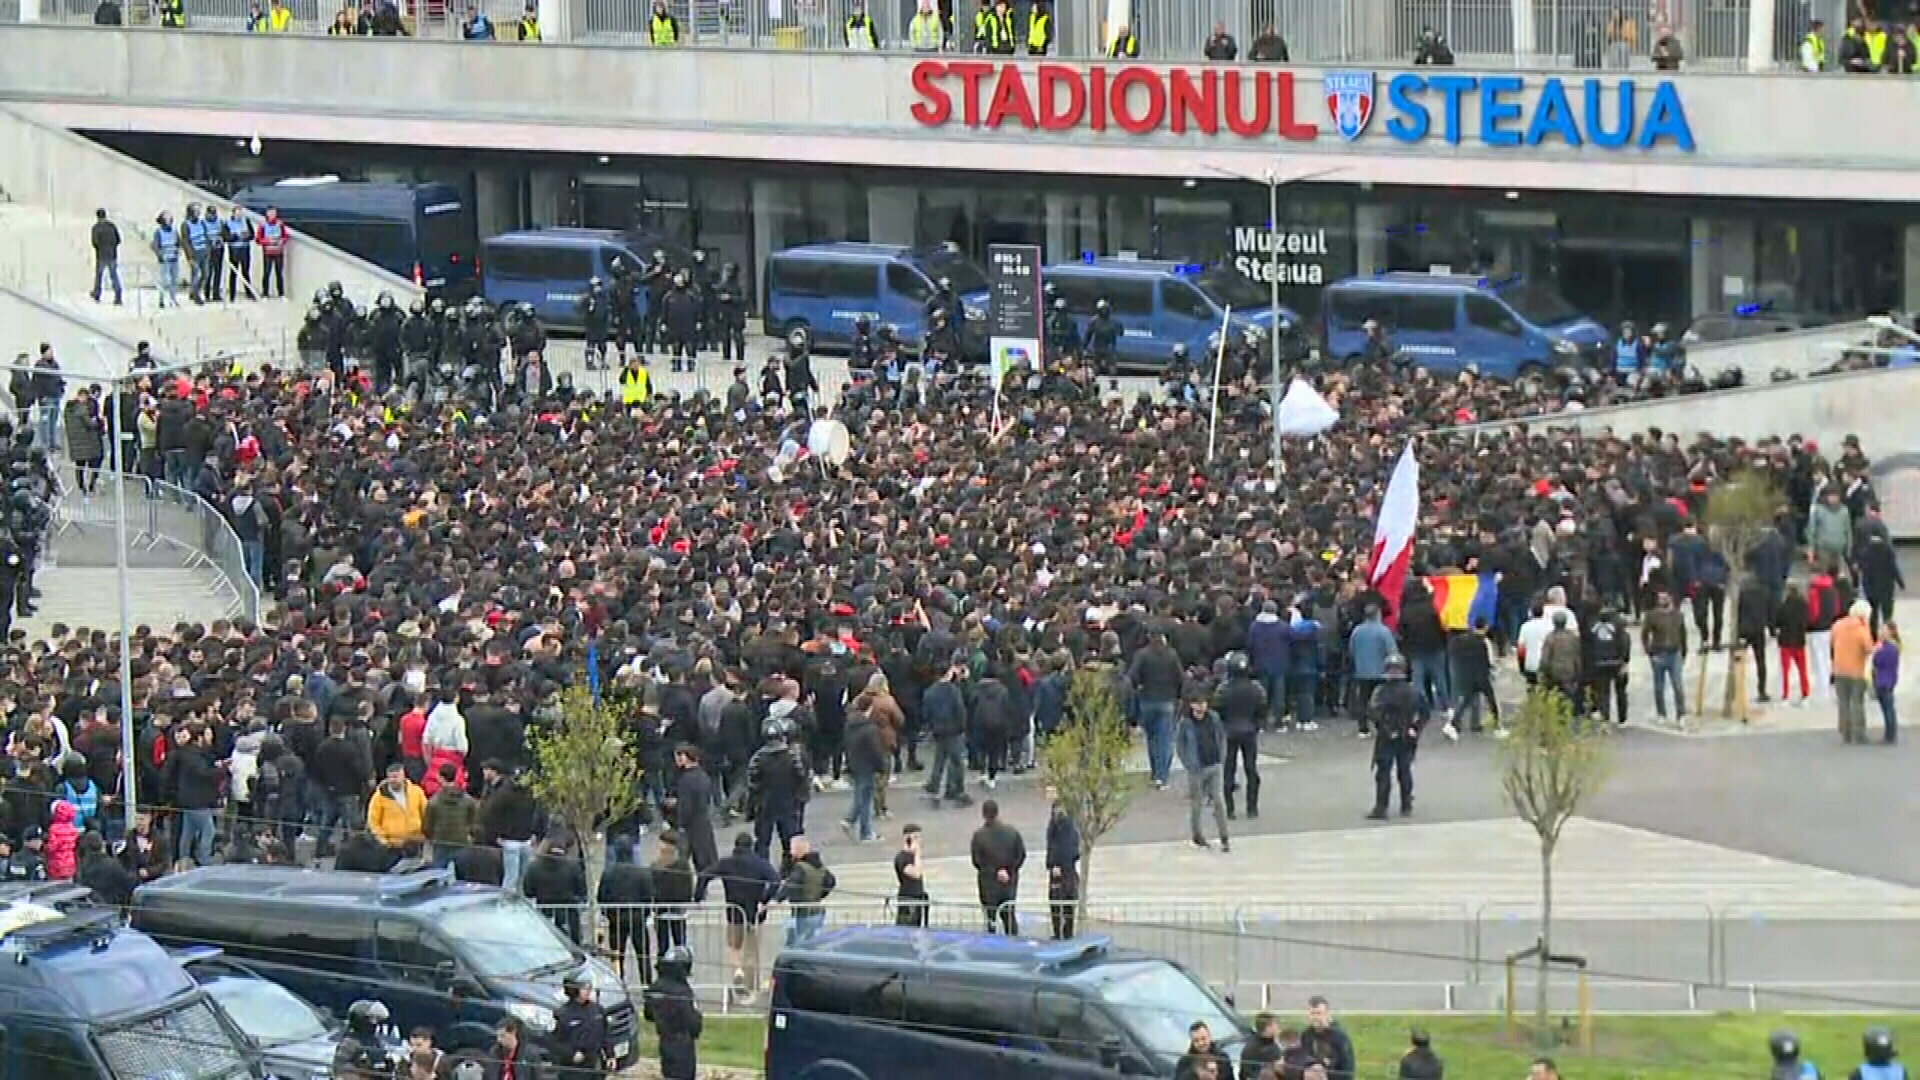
<point x="862" y="323"/>
<point x="1180" y="353"/>
<point x="365" y="1018"/>
<point x="677" y="961"/>
<point x="889" y="333"/>
<point x="1784" y="1046"/>
<point x="618" y="264"/>
<point x="386" y="300"/>
<point x="1396" y="667"/>
<point x="575" y="983"/>
<point x="476" y="308"/>
<point x="418" y="307"/>
<point x="680" y="279"/>
<point x="438" y="305"/>
<point x="699" y="255"/>
<point x="946" y="284"/>
<point x="1877" y="1044"/>
<point x="596" y="284"/>
<point x="335" y="290"/>
<point x="319" y="296"/>
<point x="526" y="310"/>
<point x="1237" y="663"/>
<point x="1102" y="306"/>
<point x="797" y="339"/>
<point x="1059" y="303"/>
<point x="659" y="255"/>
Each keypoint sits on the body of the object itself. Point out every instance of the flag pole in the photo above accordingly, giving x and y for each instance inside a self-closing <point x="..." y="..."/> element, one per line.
<point x="1219" y="365"/>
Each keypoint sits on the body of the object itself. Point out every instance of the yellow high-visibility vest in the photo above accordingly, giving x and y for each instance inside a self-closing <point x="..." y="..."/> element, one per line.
<point x="1876" y="47"/>
<point x="529" y="28"/>
<point x="635" y="387"/>
<point x="1039" y="31"/>
<point x="665" y="31"/>
<point x="1817" y="46"/>
<point x="280" y="20"/>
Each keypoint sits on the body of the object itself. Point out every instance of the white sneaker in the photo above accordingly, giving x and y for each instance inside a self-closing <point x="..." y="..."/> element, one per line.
<point x="1366" y="734"/>
<point x="990" y="783"/>
<point x="1498" y="732"/>
<point x="1452" y="733"/>
<point x="1310" y="726"/>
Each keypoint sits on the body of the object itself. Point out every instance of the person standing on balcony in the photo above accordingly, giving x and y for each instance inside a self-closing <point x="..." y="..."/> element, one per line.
<point x="663" y="29"/>
<point x="1221" y="48"/>
<point x="1667" y="52"/>
<point x="925" y="31"/>
<point x="1125" y="45"/>
<point x="861" y="36"/>
<point x="1269" y="48"/>
<point x="173" y="14"/>
<point x="477" y="28"/>
<point x="1432" y="50"/>
<point x="1039" y="28"/>
<point x="1813" y="47"/>
<point x="530" y="22"/>
<point x="272" y="238"/>
<point x="106" y="255"/>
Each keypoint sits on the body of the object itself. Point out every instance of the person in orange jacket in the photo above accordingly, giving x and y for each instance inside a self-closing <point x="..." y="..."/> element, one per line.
<point x="1852" y="651"/>
<point x="397" y="812"/>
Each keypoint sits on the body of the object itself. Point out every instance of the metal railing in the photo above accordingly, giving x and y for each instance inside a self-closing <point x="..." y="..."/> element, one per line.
<point x="167" y="527"/>
<point x="1416" y="957"/>
<point x="1488" y="34"/>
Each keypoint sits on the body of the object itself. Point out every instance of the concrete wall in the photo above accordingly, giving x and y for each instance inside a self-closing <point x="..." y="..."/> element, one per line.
<point x="29" y="322"/>
<point x="1878" y="406"/>
<point x="45" y="166"/>
<point x="1801" y="352"/>
<point x="1777" y="136"/>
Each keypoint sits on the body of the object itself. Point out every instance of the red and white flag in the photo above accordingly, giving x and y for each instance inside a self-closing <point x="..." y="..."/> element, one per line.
<point x="1393" y="533"/>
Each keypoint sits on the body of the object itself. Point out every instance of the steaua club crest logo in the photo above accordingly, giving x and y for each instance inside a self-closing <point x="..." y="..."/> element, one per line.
<point x="1350" y="99"/>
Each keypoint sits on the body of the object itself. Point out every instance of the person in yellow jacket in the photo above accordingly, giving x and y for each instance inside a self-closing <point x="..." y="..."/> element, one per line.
<point x="173" y="14"/>
<point x="926" y="33"/>
<point x="861" y="34"/>
<point x="663" y="28"/>
<point x="636" y="384"/>
<point x="397" y="813"/>
<point x="1125" y="45"/>
<point x="1039" y="28"/>
<point x="279" y="18"/>
<point x="530" y="23"/>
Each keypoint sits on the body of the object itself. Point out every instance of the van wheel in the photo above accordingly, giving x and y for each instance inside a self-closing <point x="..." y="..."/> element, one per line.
<point x="800" y="328"/>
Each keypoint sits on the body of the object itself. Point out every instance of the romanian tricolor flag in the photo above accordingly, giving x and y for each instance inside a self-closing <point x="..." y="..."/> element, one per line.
<point x="1462" y="598"/>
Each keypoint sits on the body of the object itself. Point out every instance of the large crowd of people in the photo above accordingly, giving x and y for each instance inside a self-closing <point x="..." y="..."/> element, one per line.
<point x="437" y="574"/>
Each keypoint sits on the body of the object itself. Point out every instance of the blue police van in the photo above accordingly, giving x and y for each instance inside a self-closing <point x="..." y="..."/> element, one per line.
<point x="819" y="291"/>
<point x="439" y="953"/>
<point x="898" y="1003"/>
<point x="422" y="232"/>
<point x="1450" y="322"/>
<point x="1161" y="304"/>
<point x="550" y="269"/>
<point x="81" y="998"/>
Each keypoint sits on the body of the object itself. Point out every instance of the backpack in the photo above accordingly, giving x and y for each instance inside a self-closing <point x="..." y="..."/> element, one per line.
<point x="267" y="782"/>
<point x="86" y="804"/>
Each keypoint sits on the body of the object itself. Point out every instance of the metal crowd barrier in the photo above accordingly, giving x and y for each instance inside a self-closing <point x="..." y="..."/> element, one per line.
<point x="1439" y="957"/>
<point x="167" y="526"/>
<point x="1498" y="34"/>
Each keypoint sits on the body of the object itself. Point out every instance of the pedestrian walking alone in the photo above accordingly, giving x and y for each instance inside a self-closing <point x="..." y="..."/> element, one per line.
<point x="106" y="255"/>
<point x="998" y="854"/>
<point x="1202" y="746"/>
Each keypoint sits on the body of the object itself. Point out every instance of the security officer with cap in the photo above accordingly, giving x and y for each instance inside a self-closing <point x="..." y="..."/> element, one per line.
<point x="1787" y="1064"/>
<point x="1877" y="1045"/>
<point x="1102" y="341"/>
<point x="1397" y="713"/>
<point x="580" y="1030"/>
<point x="675" y="1014"/>
<point x="361" y="1054"/>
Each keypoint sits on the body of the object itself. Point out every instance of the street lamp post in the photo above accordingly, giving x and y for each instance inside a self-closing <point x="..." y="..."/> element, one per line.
<point x="122" y="572"/>
<point x="1274" y="182"/>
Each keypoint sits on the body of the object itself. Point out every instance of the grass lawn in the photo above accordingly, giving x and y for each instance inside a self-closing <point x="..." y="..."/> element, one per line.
<point x="1474" y="1048"/>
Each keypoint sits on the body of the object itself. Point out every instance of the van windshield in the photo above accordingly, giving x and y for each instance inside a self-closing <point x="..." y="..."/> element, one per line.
<point x="502" y="939"/>
<point x="1541" y="305"/>
<point x="965" y="276"/>
<point x="1228" y="288"/>
<point x="188" y="1043"/>
<point x="1158" y="1003"/>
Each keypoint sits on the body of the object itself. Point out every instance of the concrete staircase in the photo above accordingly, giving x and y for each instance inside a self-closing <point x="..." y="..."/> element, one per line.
<point x="86" y="596"/>
<point x="46" y="255"/>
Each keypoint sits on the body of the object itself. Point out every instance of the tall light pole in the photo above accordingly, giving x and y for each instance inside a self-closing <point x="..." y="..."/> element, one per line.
<point x="122" y="573"/>
<point x="1274" y="182"/>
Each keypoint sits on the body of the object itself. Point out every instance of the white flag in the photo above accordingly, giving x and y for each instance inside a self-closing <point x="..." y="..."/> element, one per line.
<point x="1304" y="413"/>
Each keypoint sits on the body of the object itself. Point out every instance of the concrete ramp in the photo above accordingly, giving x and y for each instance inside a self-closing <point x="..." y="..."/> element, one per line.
<point x="1801" y="352"/>
<point x="84" y="347"/>
<point x="64" y="178"/>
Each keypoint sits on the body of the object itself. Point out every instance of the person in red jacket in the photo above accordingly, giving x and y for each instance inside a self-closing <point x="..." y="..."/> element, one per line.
<point x="413" y="725"/>
<point x="63" y="843"/>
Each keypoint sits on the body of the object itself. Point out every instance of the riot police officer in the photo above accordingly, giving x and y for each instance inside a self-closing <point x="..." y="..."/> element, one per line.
<point x="861" y="356"/>
<point x="1063" y="335"/>
<point x="1102" y="340"/>
<point x="656" y="280"/>
<point x="700" y="280"/>
<point x="1242" y="704"/>
<point x="12" y="568"/>
<point x="1784" y="1046"/>
<point x="671" y="1006"/>
<point x="580" y="1030"/>
<point x="361" y="1053"/>
<point x="312" y="341"/>
<point x="481" y="342"/>
<point x="623" y="309"/>
<point x="597" y="316"/>
<point x="942" y="348"/>
<point x="419" y="342"/>
<point x="680" y="321"/>
<point x="1396" y="714"/>
<point x="730" y="309"/>
<point x="1877" y="1046"/>
<point x="383" y="340"/>
<point x="797" y="373"/>
<point x="943" y="299"/>
<point x="338" y="315"/>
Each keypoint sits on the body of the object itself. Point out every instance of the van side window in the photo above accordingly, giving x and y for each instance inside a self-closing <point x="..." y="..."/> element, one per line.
<point x="956" y="1010"/>
<point x="405" y="951"/>
<point x="51" y="1054"/>
<point x="1425" y="313"/>
<point x="860" y="996"/>
<point x="1078" y="291"/>
<point x="1069" y="1029"/>
<point x="1129" y="295"/>
<point x="528" y="262"/>
<point x="906" y="281"/>
<point x="1488" y="314"/>
<point x="1352" y="308"/>
<point x="1181" y="298"/>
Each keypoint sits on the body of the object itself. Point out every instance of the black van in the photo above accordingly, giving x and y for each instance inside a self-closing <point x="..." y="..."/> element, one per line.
<point x="439" y="953"/>
<point x="83" y="999"/>
<point x="894" y="1003"/>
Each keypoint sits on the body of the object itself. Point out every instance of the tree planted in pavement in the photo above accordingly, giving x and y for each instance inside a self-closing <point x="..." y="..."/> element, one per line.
<point x="1737" y="515"/>
<point x="1086" y="762"/>
<point x="586" y="775"/>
